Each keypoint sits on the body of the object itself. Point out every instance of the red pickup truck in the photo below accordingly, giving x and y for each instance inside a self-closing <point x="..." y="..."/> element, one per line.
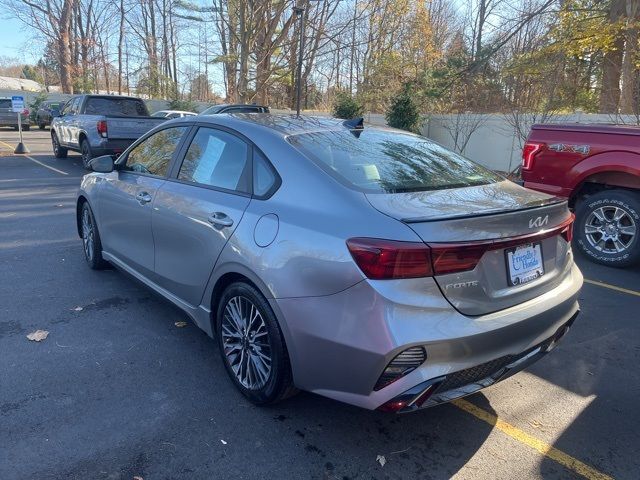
<point x="597" y="167"/>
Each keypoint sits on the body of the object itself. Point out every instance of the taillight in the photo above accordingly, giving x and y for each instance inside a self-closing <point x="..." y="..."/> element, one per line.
<point x="25" y="111"/>
<point x="454" y="258"/>
<point x="102" y="128"/>
<point x="387" y="259"/>
<point x="529" y="151"/>
<point x="567" y="232"/>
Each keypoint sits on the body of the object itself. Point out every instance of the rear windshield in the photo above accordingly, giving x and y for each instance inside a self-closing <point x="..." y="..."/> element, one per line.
<point x="5" y="103"/>
<point x="390" y="162"/>
<point x="130" y="107"/>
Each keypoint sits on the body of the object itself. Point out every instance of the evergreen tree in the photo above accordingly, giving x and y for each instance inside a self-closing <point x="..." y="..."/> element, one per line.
<point x="403" y="112"/>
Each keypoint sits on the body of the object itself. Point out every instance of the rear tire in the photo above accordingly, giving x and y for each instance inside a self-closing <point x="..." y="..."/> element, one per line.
<point x="41" y="126"/>
<point x="252" y="346"/>
<point x="58" y="151"/>
<point x="91" y="243"/>
<point x="607" y="228"/>
<point x="26" y="128"/>
<point x="87" y="155"/>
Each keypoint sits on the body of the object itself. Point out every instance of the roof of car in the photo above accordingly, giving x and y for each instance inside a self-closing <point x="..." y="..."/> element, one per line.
<point x="284" y="124"/>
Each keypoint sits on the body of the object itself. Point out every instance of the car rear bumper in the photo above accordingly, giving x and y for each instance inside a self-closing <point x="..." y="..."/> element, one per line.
<point x="13" y="122"/>
<point x="340" y="344"/>
<point x="110" y="147"/>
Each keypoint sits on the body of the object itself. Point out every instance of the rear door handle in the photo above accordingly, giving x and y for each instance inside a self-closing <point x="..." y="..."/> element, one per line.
<point x="143" y="197"/>
<point x="220" y="219"/>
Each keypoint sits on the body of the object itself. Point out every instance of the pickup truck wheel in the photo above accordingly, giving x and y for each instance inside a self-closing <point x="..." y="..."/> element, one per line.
<point x="85" y="150"/>
<point x="26" y="128"/>
<point x="607" y="227"/>
<point x="41" y="126"/>
<point x="58" y="151"/>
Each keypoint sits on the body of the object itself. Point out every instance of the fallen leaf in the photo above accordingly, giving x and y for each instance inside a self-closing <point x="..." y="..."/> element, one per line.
<point x="38" y="335"/>
<point x="535" y="423"/>
<point x="78" y="309"/>
<point x="223" y="442"/>
<point x="138" y="477"/>
<point x="181" y="324"/>
<point x="59" y="205"/>
<point x="381" y="460"/>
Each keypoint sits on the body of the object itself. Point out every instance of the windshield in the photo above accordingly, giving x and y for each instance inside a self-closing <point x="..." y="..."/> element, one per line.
<point x="390" y="162"/>
<point x="130" y="107"/>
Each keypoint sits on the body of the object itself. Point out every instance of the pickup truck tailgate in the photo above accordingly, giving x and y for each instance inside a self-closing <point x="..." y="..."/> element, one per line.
<point x="130" y="128"/>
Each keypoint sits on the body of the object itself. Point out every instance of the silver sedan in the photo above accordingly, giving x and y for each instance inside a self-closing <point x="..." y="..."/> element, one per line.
<point x="366" y="264"/>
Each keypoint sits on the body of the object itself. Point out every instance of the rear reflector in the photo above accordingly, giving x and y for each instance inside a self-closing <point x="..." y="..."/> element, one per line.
<point x="529" y="151"/>
<point x="404" y="363"/>
<point x="387" y="259"/>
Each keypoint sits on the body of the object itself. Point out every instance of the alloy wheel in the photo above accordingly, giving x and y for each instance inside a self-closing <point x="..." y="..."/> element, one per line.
<point x="246" y="343"/>
<point x="87" y="234"/>
<point x="610" y="229"/>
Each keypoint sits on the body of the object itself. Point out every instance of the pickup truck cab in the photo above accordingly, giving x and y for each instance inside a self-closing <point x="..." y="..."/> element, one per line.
<point x="597" y="167"/>
<point x="97" y="125"/>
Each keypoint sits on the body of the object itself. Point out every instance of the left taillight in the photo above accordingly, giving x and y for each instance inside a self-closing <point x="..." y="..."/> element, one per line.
<point x="529" y="152"/>
<point x="389" y="259"/>
<point x="102" y="128"/>
<point x="567" y="231"/>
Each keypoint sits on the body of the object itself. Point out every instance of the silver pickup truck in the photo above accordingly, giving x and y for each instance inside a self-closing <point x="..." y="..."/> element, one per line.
<point x="97" y="125"/>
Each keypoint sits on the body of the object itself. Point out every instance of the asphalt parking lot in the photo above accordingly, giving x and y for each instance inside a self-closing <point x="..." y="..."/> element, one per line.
<point x="118" y="391"/>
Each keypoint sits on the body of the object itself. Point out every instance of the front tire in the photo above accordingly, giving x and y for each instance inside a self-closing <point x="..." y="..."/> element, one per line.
<point x="607" y="227"/>
<point x="252" y="346"/>
<point x="87" y="155"/>
<point x="58" y="151"/>
<point x="91" y="243"/>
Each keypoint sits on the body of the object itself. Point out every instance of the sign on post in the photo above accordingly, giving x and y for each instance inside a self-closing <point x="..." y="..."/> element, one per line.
<point x="17" y="104"/>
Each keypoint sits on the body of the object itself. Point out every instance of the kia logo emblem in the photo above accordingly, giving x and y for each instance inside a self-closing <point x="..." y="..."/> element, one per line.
<point x="538" y="222"/>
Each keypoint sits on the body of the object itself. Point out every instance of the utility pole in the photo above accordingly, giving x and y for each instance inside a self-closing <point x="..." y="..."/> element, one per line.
<point x="300" y="11"/>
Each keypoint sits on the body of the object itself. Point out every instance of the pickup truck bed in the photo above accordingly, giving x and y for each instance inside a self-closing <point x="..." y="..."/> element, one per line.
<point x="97" y="125"/>
<point x="597" y="167"/>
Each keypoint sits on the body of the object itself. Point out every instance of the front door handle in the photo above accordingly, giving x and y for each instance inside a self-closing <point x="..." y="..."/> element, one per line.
<point x="220" y="219"/>
<point x="143" y="197"/>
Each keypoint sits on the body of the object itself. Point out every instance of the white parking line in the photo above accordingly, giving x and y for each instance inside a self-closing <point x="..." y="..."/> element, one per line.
<point x="45" y="165"/>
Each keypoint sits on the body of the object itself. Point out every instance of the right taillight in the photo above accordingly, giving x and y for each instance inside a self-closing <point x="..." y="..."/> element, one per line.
<point x="102" y="128"/>
<point x="529" y="151"/>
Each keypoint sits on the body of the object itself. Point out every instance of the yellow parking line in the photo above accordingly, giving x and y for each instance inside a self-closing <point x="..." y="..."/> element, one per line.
<point x="7" y="145"/>
<point x="544" y="448"/>
<point x="612" y="287"/>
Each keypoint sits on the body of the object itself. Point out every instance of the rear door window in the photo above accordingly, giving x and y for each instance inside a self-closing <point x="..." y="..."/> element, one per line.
<point x="218" y="159"/>
<point x="385" y="161"/>
<point x="153" y="155"/>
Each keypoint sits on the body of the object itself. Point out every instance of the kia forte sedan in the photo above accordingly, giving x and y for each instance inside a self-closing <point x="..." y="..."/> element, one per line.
<point x="365" y="264"/>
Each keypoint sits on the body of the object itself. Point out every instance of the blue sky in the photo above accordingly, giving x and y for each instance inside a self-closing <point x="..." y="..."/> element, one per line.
<point x="14" y="40"/>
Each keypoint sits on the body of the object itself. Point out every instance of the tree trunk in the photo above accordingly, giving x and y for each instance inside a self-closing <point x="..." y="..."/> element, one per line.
<point x="629" y="96"/>
<point x="612" y="65"/>
<point x="66" y="68"/>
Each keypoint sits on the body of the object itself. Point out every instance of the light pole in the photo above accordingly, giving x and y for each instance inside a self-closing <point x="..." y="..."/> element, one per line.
<point x="300" y="11"/>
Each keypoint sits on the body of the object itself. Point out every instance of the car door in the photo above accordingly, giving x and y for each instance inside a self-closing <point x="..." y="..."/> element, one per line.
<point x="197" y="210"/>
<point x="127" y="196"/>
<point x="73" y="124"/>
<point x="67" y="116"/>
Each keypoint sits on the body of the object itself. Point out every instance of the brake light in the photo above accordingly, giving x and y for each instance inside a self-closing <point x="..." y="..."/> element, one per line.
<point x="454" y="258"/>
<point x="387" y="259"/>
<point x="102" y="128"/>
<point x="25" y="111"/>
<point x="529" y="151"/>
<point x="567" y="232"/>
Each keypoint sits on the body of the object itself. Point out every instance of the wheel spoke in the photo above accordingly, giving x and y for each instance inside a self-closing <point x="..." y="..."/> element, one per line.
<point x="599" y="214"/>
<point x="619" y="246"/>
<point x="627" y="230"/>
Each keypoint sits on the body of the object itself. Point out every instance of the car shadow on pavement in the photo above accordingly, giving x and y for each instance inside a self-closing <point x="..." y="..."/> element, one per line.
<point x="598" y="361"/>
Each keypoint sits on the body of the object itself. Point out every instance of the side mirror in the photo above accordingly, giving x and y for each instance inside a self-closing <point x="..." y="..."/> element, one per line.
<point x="103" y="164"/>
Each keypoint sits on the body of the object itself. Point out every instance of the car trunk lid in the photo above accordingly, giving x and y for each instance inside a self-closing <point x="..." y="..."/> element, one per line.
<point x="511" y="239"/>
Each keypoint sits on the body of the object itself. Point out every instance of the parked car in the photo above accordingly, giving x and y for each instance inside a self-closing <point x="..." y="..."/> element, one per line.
<point x="8" y="118"/>
<point x="235" y="108"/>
<point x="96" y="125"/>
<point x="171" y="114"/>
<point x="46" y="112"/>
<point x="366" y="264"/>
<point x="597" y="168"/>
